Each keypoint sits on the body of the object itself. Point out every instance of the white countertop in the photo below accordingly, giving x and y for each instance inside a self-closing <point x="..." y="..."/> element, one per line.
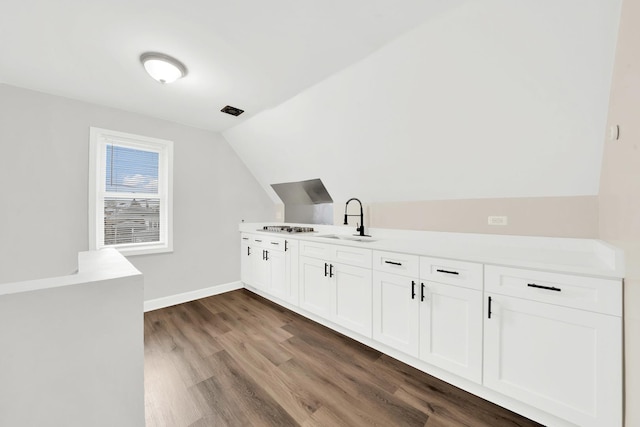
<point x="93" y="266"/>
<point x="589" y="257"/>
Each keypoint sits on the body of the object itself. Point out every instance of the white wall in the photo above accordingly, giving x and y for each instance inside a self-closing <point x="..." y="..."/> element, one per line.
<point x="44" y="172"/>
<point x="619" y="197"/>
<point x="493" y="99"/>
<point x="72" y="348"/>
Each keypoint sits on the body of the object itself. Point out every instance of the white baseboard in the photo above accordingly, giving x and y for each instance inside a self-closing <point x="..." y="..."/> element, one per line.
<point x="155" y="304"/>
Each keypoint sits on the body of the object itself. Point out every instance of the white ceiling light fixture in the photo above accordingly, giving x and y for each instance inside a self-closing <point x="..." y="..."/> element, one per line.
<point x="163" y="68"/>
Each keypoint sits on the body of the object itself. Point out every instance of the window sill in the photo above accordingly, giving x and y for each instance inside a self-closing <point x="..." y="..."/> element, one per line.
<point x="144" y="250"/>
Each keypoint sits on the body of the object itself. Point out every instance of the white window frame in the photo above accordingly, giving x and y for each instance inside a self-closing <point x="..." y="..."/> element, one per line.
<point x="98" y="141"/>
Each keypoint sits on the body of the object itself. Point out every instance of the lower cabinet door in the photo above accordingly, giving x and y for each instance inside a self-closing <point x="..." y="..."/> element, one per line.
<point x="396" y="311"/>
<point x="280" y="284"/>
<point x="260" y="269"/>
<point x="565" y="361"/>
<point x="284" y="274"/>
<point x="353" y="297"/>
<point x="451" y="328"/>
<point x="317" y="290"/>
<point x="246" y="262"/>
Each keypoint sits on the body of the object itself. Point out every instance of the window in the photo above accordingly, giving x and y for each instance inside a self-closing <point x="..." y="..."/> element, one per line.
<point x="130" y="186"/>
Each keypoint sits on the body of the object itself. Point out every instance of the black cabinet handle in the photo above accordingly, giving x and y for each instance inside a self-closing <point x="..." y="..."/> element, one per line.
<point x="448" y="272"/>
<point x="248" y="250"/>
<point x="285" y="246"/>
<point x="413" y="289"/>
<point x="325" y="269"/>
<point x="266" y="255"/>
<point x="393" y="262"/>
<point x="421" y="292"/>
<point x="489" y="312"/>
<point x="549" y="288"/>
<point x="330" y="270"/>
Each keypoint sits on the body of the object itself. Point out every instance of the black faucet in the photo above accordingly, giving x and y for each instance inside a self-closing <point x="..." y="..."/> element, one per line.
<point x="359" y="229"/>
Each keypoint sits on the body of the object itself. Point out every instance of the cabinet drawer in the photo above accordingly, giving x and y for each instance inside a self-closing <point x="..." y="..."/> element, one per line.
<point x="396" y="263"/>
<point x="257" y="241"/>
<point x="349" y="255"/>
<point x="352" y="256"/>
<point x="274" y="244"/>
<point x="459" y="273"/>
<point x="587" y="293"/>
<point x="315" y="249"/>
<point x="264" y="242"/>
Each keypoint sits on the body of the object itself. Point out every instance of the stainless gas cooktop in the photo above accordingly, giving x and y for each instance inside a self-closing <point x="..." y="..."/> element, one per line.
<point x="286" y="229"/>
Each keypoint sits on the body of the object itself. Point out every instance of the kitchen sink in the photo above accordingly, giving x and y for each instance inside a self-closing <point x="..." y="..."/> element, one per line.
<point x="350" y="238"/>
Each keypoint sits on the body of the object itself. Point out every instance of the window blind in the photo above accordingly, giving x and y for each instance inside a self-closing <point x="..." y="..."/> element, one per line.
<point x="133" y="215"/>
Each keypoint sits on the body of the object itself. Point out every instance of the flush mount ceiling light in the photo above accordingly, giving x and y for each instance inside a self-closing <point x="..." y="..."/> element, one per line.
<point x="163" y="68"/>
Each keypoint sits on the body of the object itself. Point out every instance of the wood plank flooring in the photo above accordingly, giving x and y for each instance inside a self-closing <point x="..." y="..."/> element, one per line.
<point x="237" y="359"/>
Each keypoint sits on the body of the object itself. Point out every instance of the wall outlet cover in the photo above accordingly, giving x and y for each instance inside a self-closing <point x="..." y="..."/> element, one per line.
<point x="497" y="220"/>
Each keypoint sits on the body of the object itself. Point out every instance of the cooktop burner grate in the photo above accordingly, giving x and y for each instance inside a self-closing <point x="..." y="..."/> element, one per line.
<point x="286" y="229"/>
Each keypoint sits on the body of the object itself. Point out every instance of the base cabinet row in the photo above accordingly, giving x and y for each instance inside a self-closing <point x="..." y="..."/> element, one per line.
<point x="549" y="340"/>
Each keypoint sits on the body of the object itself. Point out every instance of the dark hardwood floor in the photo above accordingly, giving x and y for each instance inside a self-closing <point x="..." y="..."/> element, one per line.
<point x="237" y="359"/>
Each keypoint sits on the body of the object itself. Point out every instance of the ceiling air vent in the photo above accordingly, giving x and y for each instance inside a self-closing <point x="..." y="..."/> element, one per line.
<point x="232" y="110"/>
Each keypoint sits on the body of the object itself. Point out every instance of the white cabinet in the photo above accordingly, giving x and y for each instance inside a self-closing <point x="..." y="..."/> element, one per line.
<point x="260" y="268"/>
<point x="439" y="323"/>
<point x="451" y="316"/>
<point x="284" y="272"/>
<point x="338" y="292"/>
<point x="317" y="293"/>
<point x="270" y="264"/>
<point x="451" y="329"/>
<point x="546" y="343"/>
<point x="353" y="298"/>
<point x="543" y="351"/>
<point x="245" y="260"/>
<point x="396" y="312"/>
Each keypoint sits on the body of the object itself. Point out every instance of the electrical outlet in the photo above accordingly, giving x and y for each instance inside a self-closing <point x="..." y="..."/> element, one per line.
<point x="497" y="220"/>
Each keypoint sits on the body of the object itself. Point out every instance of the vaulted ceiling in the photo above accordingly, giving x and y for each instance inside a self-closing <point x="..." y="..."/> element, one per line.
<point x="490" y="99"/>
<point x="382" y="99"/>
<point x="251" y="54"/>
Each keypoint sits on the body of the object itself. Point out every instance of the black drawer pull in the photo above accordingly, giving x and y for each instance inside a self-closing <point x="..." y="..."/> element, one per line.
<point x="489" y="312"/>
<point x="549" y="288"/>
<point x="448" y="272"/>
<point x="393" y="262"/>
<point x="245" y="238"/>
<point x="259" y="241"/>
<point x="275" y="243"/>
<point x="413" y="289"/>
